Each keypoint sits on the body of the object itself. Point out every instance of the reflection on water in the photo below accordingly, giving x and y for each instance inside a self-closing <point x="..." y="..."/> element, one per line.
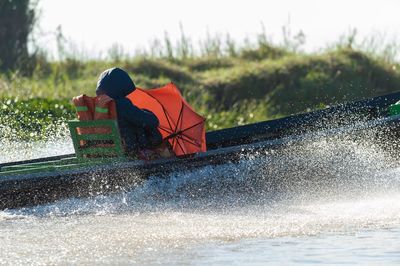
<point x="323" y="202"/>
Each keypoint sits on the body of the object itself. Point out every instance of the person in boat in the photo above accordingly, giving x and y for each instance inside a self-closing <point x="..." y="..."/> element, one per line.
<point x="138" y="127"/>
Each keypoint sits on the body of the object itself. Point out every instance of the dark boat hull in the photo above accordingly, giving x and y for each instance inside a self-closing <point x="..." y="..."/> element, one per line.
<point x="37" y="188"/>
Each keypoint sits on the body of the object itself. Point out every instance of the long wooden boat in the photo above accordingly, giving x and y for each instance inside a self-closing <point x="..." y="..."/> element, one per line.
<point x="37" y="181"/>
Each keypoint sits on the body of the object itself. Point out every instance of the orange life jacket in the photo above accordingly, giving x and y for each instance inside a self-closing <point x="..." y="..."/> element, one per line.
<point x="104" y="109"/>
<point x="84" y="109"/>
<point x="101" y="107"/>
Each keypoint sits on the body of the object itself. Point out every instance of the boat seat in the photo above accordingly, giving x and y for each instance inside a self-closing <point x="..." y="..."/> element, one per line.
<point x="94" y="145"/>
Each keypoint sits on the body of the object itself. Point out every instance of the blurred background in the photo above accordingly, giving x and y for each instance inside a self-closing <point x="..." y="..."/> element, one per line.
<point x="236" y="62"/>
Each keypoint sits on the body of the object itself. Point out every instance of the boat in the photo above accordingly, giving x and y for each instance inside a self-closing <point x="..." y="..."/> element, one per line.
<point x="38" y="181"/>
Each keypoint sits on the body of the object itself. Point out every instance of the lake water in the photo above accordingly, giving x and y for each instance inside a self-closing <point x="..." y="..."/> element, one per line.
<point x="329" y="202"/>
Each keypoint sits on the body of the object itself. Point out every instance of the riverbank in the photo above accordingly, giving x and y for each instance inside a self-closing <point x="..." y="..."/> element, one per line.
<point x="229" y="89"/>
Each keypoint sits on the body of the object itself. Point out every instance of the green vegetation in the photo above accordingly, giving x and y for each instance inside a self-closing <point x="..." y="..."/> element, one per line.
<point x="228" y="84"/>
<point x="34" y="118"/>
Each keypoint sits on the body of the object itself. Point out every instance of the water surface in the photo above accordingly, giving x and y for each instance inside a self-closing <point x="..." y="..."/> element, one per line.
<point x="328" y="202"/>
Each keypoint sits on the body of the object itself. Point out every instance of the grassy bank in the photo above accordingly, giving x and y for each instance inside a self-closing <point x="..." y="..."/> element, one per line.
<point x="229" y="89"/>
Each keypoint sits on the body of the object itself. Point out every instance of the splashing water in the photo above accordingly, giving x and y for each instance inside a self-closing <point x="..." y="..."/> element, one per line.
<point x="318" y="192"/>
<point x="57" y="142"/>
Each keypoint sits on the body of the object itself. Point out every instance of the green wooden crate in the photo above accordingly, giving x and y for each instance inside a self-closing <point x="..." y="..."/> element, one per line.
<point x="115" y="149"/>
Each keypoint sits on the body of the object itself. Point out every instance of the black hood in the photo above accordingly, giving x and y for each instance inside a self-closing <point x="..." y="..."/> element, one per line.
<point x="115" y="82"/>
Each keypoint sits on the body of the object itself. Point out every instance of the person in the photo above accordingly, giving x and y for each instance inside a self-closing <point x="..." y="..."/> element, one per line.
<point x="138" y="127"/>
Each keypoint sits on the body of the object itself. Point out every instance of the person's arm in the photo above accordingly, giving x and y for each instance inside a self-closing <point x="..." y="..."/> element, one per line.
<point x="135" y="115"/>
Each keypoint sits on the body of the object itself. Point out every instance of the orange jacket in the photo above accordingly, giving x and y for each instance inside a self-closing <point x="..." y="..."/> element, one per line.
<point x="101" y="107"/>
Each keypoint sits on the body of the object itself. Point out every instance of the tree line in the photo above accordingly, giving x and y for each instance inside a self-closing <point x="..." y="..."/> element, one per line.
<point x="17" y="21"/>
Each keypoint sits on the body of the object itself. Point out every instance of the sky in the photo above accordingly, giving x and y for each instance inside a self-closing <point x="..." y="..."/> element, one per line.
<point x="95" y="25"/>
